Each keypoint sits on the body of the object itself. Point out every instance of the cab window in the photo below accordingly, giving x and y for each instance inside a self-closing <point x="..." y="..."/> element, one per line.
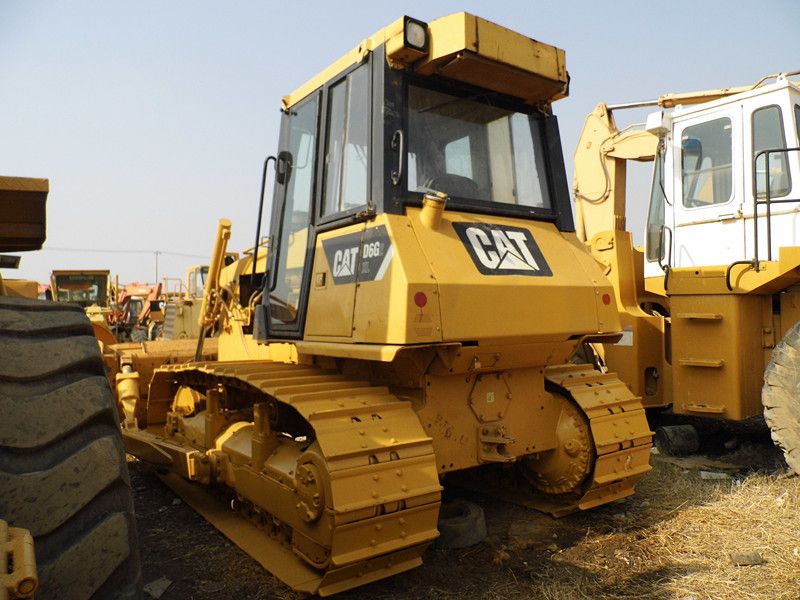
<point x="473" y="149"/>
<point x="706" y="155"/>
<point x="296" y="217"/>
<point x="768" y="135"/>
<point x="655" y="214"/>
<point x="347" y="148"/>
<point x="797" y="120"/>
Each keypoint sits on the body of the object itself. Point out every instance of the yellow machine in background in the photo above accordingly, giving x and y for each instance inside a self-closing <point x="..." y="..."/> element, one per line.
<point x="92" y="290"/>
<point x="414" y="318"/>
<point x="711" y="304"/>
<point x="182" y="308"/>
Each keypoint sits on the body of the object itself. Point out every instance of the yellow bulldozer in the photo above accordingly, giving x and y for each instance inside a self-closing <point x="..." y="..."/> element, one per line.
<point x="711" y="304"/>
<point x="92" y="290"/>
<point x="67" y="526"/>
<point x="410" y="318"/>
<point x="182" y="307"/>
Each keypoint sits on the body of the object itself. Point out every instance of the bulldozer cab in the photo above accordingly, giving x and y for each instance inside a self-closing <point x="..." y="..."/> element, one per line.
<point x="719" y="165"/>
<point x="196" y="280"/>
<point x="86" y="288"/>
<point x="416" y="109"/>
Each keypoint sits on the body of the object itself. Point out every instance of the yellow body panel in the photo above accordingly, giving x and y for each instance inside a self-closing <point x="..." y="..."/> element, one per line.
<point x="330" y="306"/>
<point x="21" y="288"/>
<point x="434" y="262"/>
<point x="513" y="307"/>
<point x="718" y="354"/>
<point x="461" y="44"/>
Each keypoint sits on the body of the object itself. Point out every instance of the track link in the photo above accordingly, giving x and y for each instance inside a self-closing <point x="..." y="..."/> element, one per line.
<point x="617" y="447"/>
<point x="375" y="511"/>
<point x="618" y="424"/>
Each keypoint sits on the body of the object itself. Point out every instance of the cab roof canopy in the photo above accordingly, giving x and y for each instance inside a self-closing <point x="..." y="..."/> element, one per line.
<point x="464" y="48"/>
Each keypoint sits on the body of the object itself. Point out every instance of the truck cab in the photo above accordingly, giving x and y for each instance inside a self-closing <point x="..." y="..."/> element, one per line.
<point x="720" y="164"/>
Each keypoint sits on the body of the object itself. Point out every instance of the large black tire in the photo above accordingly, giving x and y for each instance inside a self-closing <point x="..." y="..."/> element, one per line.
<point x="63" y="473"/>
<point x="781" y="396"/>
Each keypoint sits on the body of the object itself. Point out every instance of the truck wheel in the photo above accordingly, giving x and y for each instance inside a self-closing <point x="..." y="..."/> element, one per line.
<point x="781" y="396"/>
<point x="63" y="473"/>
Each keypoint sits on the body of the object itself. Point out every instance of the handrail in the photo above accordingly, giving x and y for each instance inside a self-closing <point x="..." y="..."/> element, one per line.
<point x="260" y="212"/>
<point x="768" y="201"/>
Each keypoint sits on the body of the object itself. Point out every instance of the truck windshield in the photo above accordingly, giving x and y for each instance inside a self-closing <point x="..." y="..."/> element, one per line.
<point x="472" y="149"/>
<point x="83" y="289"/>
<point x="655" y="214"/>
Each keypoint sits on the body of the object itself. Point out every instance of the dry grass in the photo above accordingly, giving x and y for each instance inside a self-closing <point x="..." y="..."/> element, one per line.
<point x="678" y="545"/>
<point x="670" y="541"/>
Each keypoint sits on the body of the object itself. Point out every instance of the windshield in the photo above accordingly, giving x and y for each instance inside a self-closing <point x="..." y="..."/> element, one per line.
<point x="82" y="289"/>
<point x="471" y="149"/>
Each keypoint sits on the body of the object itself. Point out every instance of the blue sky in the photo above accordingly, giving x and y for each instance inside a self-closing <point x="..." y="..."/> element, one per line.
<point x="151" y="119"/>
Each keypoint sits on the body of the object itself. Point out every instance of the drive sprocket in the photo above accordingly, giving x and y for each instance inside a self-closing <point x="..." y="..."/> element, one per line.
<point x="563" y="469"/>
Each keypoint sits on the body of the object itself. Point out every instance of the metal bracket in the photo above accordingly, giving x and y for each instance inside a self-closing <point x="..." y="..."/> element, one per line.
<point x="492" y="442"/>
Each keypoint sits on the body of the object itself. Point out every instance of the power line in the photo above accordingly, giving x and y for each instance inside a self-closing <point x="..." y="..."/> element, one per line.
<point x="120" y="251"/>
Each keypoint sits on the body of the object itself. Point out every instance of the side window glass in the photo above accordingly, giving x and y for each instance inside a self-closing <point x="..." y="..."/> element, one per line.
<point x="457" y="157"/>
<point x="347" y="146"/>
<point x="706" y="155"/>
<point x="797" y="119"/>
<point x="296" y="222"/>
<point x="768" y="135"/>
<point x="655" y="214"/>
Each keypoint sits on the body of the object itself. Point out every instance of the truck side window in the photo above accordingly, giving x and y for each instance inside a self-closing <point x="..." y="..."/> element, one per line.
<point x="347" y="146"/>
<point x="768" y="135"/>
<point x="706" y="155"/>
<point x="655" y="214"/>
<point x="797" y="120"/>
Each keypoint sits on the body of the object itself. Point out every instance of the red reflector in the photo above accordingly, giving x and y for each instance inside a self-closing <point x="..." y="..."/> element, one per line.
<point x="606" y="299"/>
<point x="420" y="299"/>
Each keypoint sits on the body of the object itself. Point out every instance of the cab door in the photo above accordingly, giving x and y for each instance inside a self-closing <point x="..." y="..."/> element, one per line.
<point x="769" y="126"/>
<point x="344" y="195"/>
<point x="292" y="230"/>
<point x="707" y="160"/>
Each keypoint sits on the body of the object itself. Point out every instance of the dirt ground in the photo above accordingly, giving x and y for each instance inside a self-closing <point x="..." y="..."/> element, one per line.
<point x="672" y="540"/>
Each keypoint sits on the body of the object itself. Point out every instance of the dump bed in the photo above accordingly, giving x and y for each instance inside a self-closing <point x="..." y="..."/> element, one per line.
<point x="22" y="213"/>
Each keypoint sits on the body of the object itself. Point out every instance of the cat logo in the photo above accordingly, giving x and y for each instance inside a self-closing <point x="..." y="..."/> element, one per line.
<point x="502" y="250"/>
<point x="359" y="256"/>
<point x="344" y="262"/>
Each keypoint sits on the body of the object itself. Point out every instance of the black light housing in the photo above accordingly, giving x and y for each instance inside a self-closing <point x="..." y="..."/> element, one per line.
<point x="406" y="47"/>
<point x="415" y="34"/>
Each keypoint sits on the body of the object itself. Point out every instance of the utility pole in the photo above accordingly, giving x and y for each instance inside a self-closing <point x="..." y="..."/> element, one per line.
<point x="157" y="252"/>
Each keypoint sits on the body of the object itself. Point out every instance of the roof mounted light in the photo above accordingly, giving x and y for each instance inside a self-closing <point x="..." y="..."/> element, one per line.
<point x="409" y="45"/>
<point x="416" y="34"/>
